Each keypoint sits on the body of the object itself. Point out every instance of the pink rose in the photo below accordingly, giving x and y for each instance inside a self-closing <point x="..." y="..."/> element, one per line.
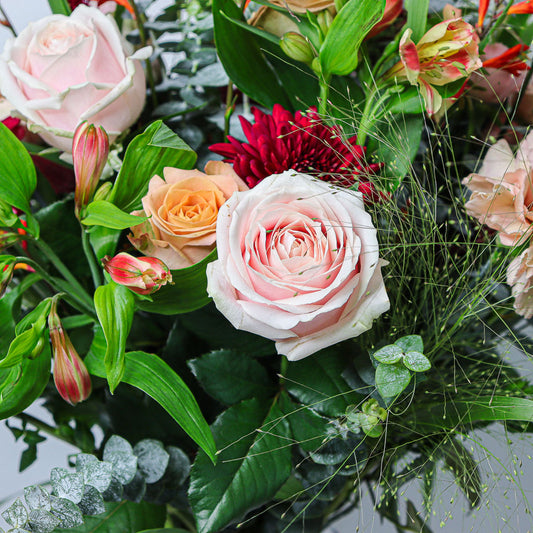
<point x="502" y="192"/>
<point x="298" y="262"/>
<point x="183" y="210"/>
<point x="520" y="277"/>
<point x="62" y="70"/>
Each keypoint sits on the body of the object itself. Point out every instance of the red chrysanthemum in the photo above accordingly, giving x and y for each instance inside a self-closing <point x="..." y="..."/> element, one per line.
<point x="301" y="142"/>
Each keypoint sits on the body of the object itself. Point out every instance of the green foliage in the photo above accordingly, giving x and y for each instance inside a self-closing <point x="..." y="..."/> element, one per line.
<point x="108" y="215"/>
<point x="115" y="306"/>
<point x="230" y="376"/>
<point x="146" y="156"/>
<point x="417" y="15"/>
<point x="392" y="379"/>
<point x="18" y="176"/>
<point x="59" y="7"/>
<point x="187" y="292"/>
<point x="254" y="462"/>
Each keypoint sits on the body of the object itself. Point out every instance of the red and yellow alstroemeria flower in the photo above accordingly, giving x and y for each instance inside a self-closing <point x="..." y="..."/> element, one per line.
<point x="446" y="53"/>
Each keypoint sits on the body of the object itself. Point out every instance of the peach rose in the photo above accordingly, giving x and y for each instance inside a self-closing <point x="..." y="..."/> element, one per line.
<point x="298" y="263"/>
<point x="502" y="192"/>
<point x="63" y="70"/>
<point x="520" y="277"/>
<point x="183" y="210"/>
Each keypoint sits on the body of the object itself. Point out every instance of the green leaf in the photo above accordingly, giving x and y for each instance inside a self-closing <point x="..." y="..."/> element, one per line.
<point x="104" y="241"/>
<point x="407" y="101"/>
<point x="146" y="156"/>
<point x="340" y="49"/>
<point x="316" y="381"/>
<point x="242" y="58"/>
<point x="388" y="354"/>
<point x="187" y="293"/>
<point x="411" y="343"/>
<point x="123" y="517"/>
<point x="416" y="361"/>
<point x="465" y="469"/>
<point x="18" y="176"/>
<point x="59" y="7"/>
<point x="115" y="306"/>
<point x="391" y="380"/>
<point x="165" y="530"/>
<point x="230" y="376"/>
<point x="255" y="461"/>
<point x="108" y="215"/>
<point x="417" y="15"/>
<point x="396" y="143"/>
<point x="21" y="385"/>
<point x="153" y="376"/>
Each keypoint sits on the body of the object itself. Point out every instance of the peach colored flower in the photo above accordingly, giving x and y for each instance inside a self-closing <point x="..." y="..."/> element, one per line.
<point x="520" y="277"/>
<point x="502" y="192"/>
<point x="183" y="210"/>
<point x="446" y="53"/>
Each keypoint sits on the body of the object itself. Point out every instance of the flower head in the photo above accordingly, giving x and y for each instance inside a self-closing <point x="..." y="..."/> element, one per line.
<point x="143" y="275"/>
<point x="70" y="373"/>
<point x="90" y="148"/>
<point x="520" y="277"/>
<point x="446" y="53"/>
<point x="301" y="142"/>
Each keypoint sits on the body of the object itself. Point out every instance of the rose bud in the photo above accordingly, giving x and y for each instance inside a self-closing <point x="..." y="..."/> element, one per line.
<point x="70" y="373"/>
<point x="143" y="275"/>
<point x="90" y="148"/>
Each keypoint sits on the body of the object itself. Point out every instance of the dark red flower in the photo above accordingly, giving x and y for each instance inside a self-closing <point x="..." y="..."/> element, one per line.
<point x="75" y="3"/>
<point x="14" y="125"/>
<point x="300" y="142"/>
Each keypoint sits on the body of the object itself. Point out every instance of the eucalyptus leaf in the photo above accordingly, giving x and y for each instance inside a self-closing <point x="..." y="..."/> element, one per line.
<point x="66" y="484"/>
<point x="388" y="354"/>
<point x="108" y="215"/>
<point x="119" y="453"/>
<point x="115" y="306"/>
<point x="16" y="514"/>
<point x="152" y="459"/>
<point x="41" y="521"/>
<point x="392" y="379"/>
<point x="37" y="498"/>
<point x="92" y="502"/>
<point x="416" y="361"/>
<point x="410" y="343"/>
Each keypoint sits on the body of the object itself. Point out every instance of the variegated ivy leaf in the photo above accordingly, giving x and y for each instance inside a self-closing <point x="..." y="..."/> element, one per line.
<point x="66" y="512"/>
<point x="95" y="473"/>
<point x="16" y="514"/>
<point x="37" y="498"/>
<point x="152" y="459"/>
<point x="135" y="489"/>
<point x="119" y="453"/>
<point x="42" y="521"/>
<point x="114" y="492"/>
<point x="67" y="485"/>
<point x="92" y="502"/>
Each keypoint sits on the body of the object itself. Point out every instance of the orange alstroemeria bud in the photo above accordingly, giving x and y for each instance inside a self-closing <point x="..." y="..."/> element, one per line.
<point x="143" y="275"/>
<point x="90" y="148"/>
<point x="71" y="377"/>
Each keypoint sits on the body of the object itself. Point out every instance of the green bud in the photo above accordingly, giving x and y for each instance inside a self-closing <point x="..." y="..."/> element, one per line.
<point x="324" y="20"/>
<point x="339" y="4"/>
<point x="296" y="46"/>
<point x="103" y="191"/>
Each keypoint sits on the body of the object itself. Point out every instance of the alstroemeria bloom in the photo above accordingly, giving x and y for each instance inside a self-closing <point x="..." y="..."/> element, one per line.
<point x="446" y="53"/>
<point x="143" y="275"/>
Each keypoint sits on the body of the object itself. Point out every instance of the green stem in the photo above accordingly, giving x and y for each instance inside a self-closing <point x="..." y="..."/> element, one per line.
<point x="142" y="35"/>
<point x="44" y="427"/>
<point x="93" y="266"/>
<point x="324" y="94"/>
<point x="81" y="293"/>
<point x="8" y="22"/>
<point x="230" y="106"/>
<point x="366" y="120"/>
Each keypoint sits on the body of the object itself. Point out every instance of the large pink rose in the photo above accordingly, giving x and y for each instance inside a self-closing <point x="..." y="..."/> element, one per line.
<point x="62" y="70"/>
<point x="502" y="192"/>
<point x="520" y="277"/>
<point x="298" y="262"/>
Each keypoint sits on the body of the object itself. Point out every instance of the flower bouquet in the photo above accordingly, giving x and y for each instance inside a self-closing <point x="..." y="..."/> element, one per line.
<point x="274" y="255"/>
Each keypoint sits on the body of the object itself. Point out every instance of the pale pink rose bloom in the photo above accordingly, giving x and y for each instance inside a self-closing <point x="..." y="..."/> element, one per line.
<point x="502" y="192"/>
<point x="520" y="277"/>
<point x="183" y="209"/>
<point x="62" y="70"/>
<point x="298" y="263"/>
<point x="498" y="84"/>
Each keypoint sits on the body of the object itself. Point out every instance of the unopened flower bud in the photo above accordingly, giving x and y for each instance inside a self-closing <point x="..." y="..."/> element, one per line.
<point x="143" y="275"/>
<point x="296" y="46"/>
<point x="103" y="191"/>
<point x="324" y="20"/>
<point x="339" y="4"/>
<point x="90" y="148"/>
<point x="7" y="266"/>
<point x="70" y="373"/>
<point x="8" y="238"/>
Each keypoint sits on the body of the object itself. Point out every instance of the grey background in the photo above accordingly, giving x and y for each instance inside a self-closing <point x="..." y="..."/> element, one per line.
<point x="505" y="460"/>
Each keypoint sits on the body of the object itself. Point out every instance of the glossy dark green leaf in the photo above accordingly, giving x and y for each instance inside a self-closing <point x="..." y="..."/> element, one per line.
<point x="254" y="462"/>
<point x="230" y="376"/>
<point x="242" y="58"/>
<point x="146" y="156"/>
<point x="115" y="306"/>
<point x="392" y="379"/>
<point x="59" y="7"/>
<point x="18" y="176"/>
<point x="187" y="293"/>
<point x="123" y="517"/>
<point x="153" y="376"/>
<point x="108" y="215"/>
<point x="316" y="381"/>
<point x="21" y="385"/>
<point x="340" y="50"/>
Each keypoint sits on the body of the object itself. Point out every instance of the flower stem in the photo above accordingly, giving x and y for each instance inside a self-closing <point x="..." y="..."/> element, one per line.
<point x="323" y="97"/>
<point x="366" y="121"/>
<point x="44" y="427"/>
<point x="95" y="271"/>
<point x="8" y="22"/>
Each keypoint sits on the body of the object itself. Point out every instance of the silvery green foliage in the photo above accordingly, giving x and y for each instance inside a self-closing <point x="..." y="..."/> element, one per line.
<point x="152" y="459"/>
<point x="119" y="453"/>
<point x="125" y="473"/>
